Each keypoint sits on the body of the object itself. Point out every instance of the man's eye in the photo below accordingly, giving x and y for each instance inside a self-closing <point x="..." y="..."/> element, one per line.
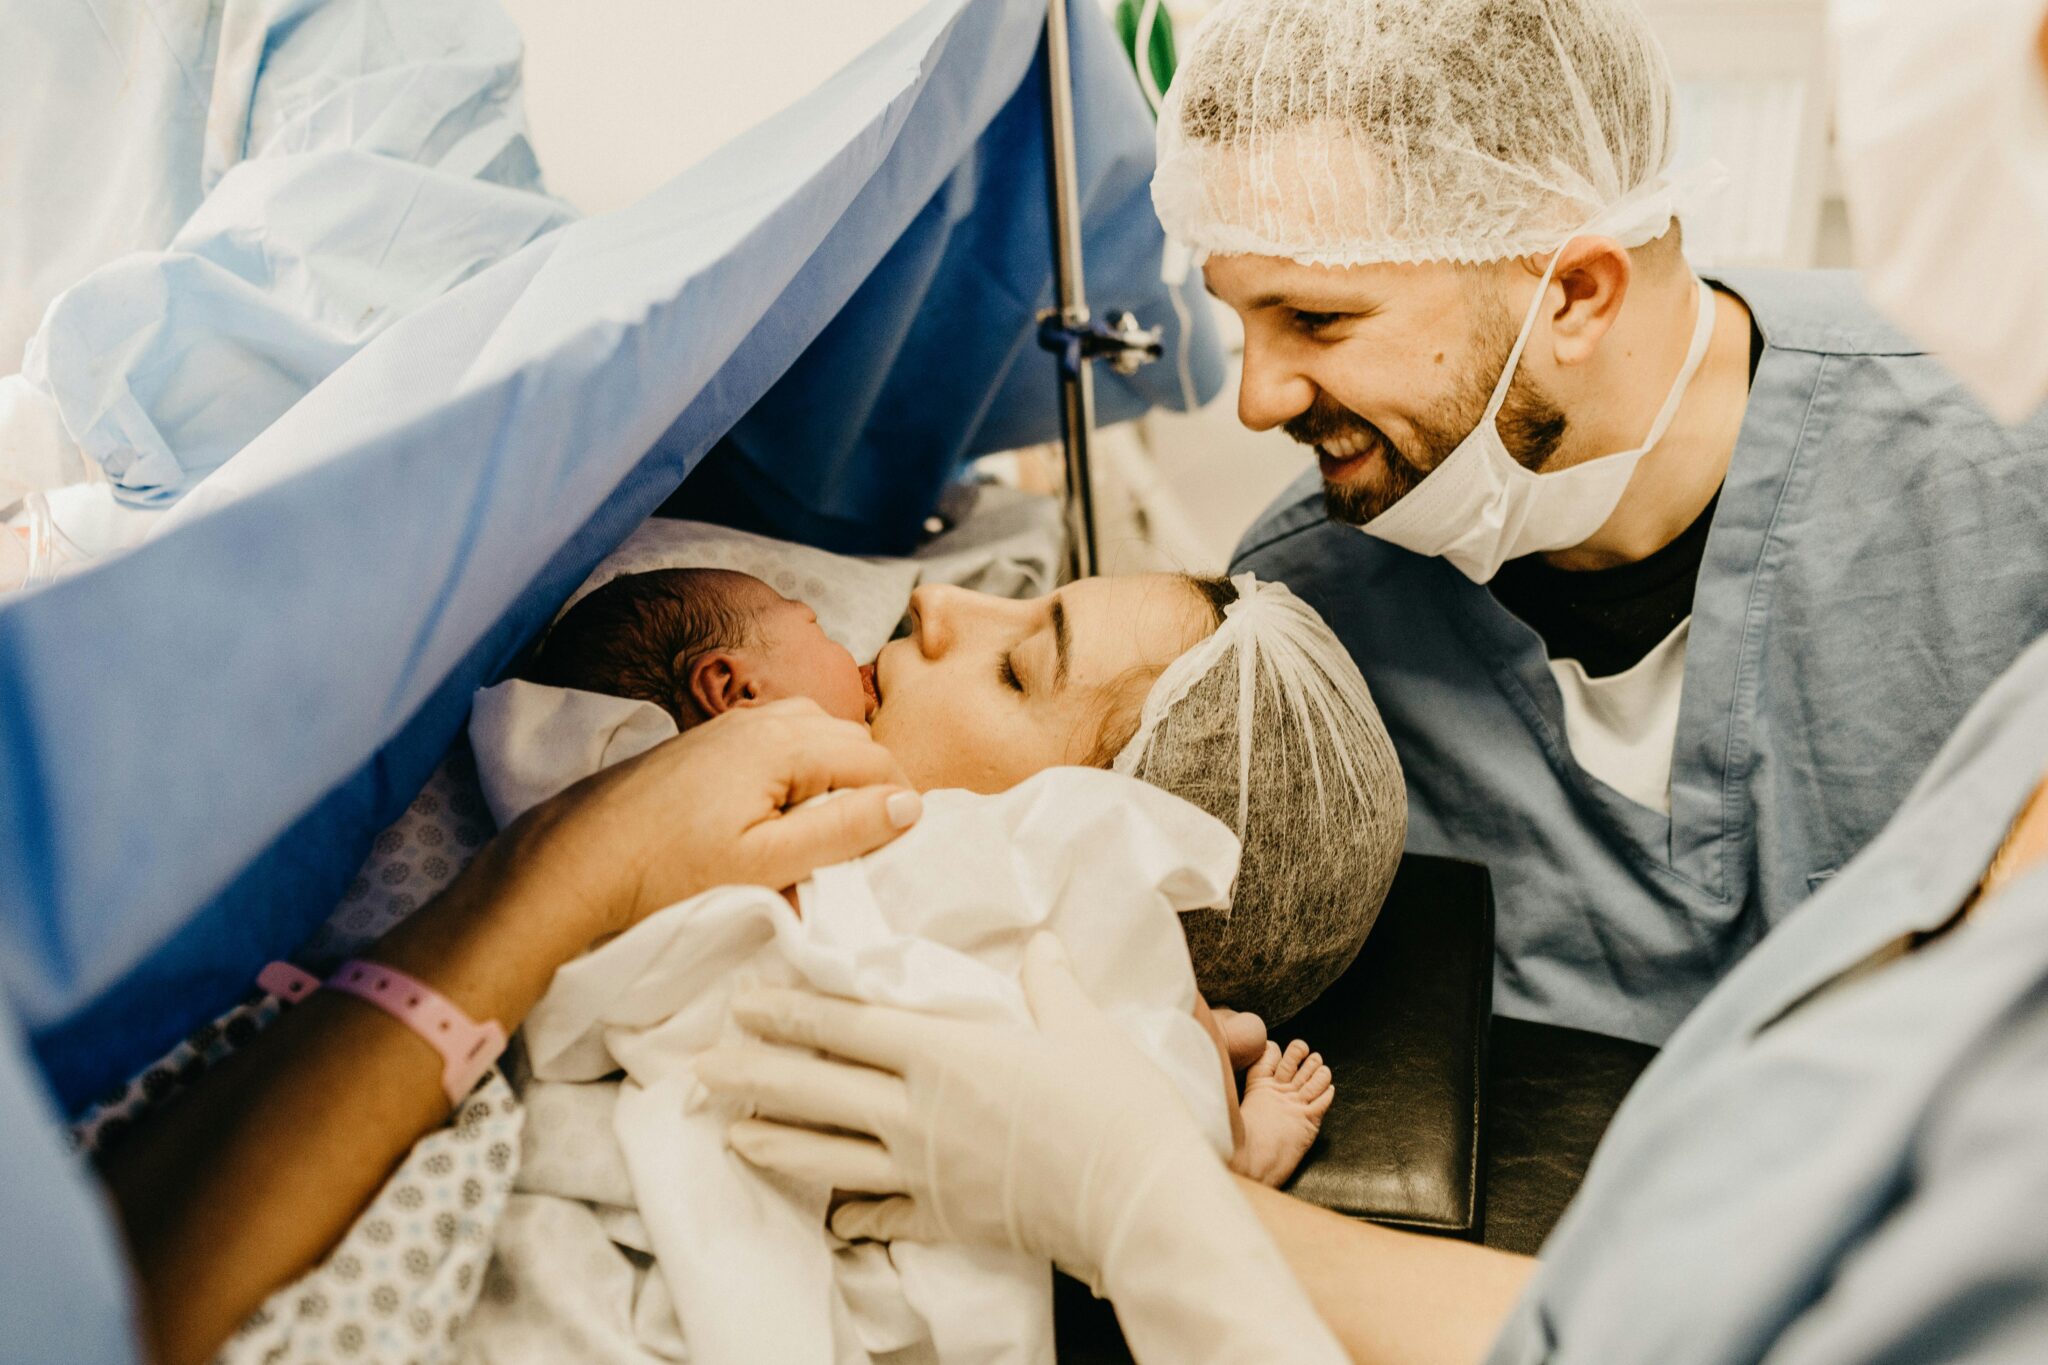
<point x="1316" y="322"/>
<point x="1006" y="669"/>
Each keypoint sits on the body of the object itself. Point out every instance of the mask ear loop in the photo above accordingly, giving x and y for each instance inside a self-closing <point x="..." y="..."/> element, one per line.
<point x="1507" y="374"/>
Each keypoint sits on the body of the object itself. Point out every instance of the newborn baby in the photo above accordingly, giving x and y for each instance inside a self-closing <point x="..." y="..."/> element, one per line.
<point x="700" y="642"/>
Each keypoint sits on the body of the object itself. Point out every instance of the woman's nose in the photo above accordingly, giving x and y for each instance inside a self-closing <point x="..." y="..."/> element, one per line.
<point x="931" y="619"/>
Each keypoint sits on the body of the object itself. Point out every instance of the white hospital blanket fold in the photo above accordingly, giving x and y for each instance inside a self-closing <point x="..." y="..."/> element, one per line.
<point x="532" y="741"/>
<point x="936" y="921"/>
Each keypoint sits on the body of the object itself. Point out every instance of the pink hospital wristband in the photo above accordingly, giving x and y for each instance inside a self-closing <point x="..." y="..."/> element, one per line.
<point x="467" y="1047"/>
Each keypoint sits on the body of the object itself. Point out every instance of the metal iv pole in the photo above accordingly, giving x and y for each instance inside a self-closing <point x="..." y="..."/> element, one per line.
<point x="1067" y="330"/>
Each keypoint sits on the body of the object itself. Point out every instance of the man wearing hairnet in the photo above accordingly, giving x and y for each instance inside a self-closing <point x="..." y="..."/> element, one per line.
<point x="1668" y="588"/>
<point x="1838" y="1156"/>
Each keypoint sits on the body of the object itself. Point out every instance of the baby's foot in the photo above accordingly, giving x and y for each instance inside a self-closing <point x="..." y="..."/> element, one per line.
<point x="1286" y="1095"/>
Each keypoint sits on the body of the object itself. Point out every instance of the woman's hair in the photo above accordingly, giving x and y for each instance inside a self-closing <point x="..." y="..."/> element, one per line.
<point x="1268" y="726"/>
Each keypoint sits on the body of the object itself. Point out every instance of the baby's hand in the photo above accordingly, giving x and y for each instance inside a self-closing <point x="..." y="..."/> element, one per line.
<point x="1286" y="1095"/>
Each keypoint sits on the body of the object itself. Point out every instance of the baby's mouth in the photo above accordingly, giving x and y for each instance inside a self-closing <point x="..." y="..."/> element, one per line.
<point x="868" y="685"/>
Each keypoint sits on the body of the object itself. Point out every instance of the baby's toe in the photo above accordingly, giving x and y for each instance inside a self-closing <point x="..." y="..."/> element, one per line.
<point x="1290" y="1061"/>
<point x="1244" y="1035"/>
<point x="1319" y="1103"/>
<point x="1265" y="1067"/>
<point x="1315" y="1079"/>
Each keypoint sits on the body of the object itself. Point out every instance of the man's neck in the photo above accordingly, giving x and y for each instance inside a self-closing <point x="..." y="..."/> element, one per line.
<point x="1678" y="478"/>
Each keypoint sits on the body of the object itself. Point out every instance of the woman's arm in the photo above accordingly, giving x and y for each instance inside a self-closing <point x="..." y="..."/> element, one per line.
<point x="245" y="1183"/>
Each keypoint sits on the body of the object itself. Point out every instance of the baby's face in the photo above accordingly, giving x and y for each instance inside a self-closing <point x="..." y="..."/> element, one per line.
<point x="793" y="657"/>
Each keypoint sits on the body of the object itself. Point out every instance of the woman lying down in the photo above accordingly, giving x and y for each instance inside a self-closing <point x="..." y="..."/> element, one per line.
<point x="695" y="643"/>
<point x="632" y="1229"/>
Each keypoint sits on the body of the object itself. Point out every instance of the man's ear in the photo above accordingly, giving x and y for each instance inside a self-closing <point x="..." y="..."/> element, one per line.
<point x="721" y="681"/>
<point x="1593" y="275"/>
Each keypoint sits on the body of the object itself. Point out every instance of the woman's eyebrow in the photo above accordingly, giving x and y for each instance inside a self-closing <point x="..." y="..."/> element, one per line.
<point x="1062" y="644"/>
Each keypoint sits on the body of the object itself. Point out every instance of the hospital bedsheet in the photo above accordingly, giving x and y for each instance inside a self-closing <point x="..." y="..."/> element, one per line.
<point x="204" y="735"/>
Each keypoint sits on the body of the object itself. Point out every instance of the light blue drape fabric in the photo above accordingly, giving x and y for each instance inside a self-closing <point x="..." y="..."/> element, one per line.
<point x="1876" y="560"/>
<point x="63" y="1292"/>
<point x="319" y="169"/>
<point x="1860" y="1178"/>
<point x="978" y="259"/>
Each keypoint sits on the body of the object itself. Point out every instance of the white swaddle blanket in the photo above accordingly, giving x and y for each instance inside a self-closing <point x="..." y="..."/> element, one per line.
<point x="936" y="921"/>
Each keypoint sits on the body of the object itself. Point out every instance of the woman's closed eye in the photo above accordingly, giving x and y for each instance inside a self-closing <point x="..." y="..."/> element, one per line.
<point x="1006" y="670"/>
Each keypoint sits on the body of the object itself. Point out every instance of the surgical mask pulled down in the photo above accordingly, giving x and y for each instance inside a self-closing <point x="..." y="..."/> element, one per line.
<point x="1481" y="507"/>
<point x="1942" y="118"/>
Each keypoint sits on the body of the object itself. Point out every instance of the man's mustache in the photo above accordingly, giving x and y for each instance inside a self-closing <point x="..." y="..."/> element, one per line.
<point x="1325" y="421"/>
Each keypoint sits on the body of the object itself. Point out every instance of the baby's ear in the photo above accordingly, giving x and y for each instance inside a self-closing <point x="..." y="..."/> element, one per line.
<point x="720" y="682"/>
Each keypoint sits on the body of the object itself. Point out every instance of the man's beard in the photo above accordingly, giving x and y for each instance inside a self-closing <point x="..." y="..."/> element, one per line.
<point x="1531" y="427"/>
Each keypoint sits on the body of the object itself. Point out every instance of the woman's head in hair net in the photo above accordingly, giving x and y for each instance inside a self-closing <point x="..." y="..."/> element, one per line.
<point x="1352" y="132"/>
<point x="1268" y="726"/>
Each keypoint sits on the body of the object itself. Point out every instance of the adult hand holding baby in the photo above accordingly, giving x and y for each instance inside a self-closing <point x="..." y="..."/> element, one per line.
<point x="722" y="804"/>
<point x="1063" y="1140"/>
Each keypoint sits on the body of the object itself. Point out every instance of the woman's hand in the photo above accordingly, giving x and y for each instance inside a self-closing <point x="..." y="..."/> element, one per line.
<point x="717" y="806"/>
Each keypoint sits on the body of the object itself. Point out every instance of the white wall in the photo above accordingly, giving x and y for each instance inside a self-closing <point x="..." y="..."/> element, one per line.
<point x="622" y="94"/>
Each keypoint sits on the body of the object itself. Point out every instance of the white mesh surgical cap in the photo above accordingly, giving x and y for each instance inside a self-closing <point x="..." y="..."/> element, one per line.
<point x="1268" y="726"/>
<point x="1350" y="132"/>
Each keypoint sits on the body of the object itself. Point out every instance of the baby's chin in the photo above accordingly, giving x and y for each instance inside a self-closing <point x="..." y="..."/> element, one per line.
<point x="847" y="699"/>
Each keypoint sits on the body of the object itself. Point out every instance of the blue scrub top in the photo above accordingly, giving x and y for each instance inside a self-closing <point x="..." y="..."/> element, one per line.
<point x="1862" y="1178"/>
<point x="1876" y="560"/>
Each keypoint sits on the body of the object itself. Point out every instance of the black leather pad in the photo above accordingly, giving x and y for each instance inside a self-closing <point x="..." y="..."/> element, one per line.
<point x="1554" y="1090"/>
<point x="1404" y="1032"/>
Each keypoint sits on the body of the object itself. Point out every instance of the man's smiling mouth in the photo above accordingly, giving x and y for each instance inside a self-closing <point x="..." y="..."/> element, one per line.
<point x="1342" y="457"/>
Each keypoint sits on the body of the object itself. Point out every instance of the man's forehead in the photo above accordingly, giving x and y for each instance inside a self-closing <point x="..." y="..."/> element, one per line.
<point x="1254" y="282"/>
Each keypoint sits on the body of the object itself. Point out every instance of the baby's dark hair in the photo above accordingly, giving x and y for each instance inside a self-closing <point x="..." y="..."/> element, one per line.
<point x="638" y="635"/>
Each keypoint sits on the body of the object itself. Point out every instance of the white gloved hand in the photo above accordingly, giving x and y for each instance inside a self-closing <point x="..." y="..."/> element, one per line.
<point x="1065" y="1142"/>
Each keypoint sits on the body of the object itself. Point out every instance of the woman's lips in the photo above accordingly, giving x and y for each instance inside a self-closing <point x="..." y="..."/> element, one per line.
<point x="867" y="683"/>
